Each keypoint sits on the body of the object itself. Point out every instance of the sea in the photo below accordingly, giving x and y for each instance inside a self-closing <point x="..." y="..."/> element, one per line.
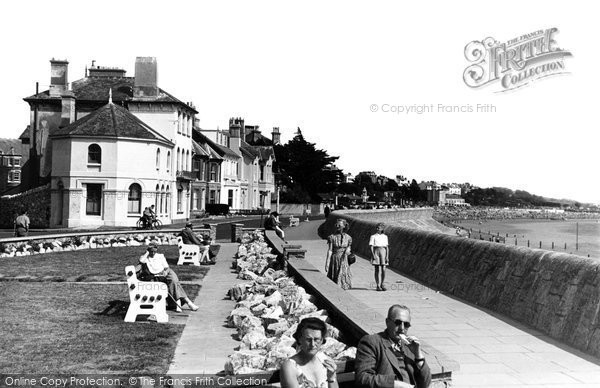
<point x="578" y="237"/>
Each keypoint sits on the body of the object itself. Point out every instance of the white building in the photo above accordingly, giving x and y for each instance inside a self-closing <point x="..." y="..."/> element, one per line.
<point x="112" y="145"/>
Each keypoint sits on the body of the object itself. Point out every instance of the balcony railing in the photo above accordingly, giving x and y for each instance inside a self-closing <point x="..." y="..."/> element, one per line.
<point x="186" y="175"/>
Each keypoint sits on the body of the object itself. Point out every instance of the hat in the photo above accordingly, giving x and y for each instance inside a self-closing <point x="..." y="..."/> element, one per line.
<point x="188" y="224"/>
<point x="152" y="245"/>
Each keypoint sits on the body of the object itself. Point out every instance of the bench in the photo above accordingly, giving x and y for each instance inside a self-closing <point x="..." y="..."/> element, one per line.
<point x="294" y="221"/>
<point x="146" y="298"/>
<point x="188" y="253"/>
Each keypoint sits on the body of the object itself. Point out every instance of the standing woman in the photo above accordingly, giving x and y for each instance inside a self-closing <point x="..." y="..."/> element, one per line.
<point x="336" y="263"/>
<point x="380" y="253"/>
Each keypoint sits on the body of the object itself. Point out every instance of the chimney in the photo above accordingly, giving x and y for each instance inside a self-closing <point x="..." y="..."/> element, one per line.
<point x="276" y="136"/>
<point x="234" y="130"/>
<point x="59" y="77"/>
<point x="67" y="115"/>
<point x="146" y="75"/>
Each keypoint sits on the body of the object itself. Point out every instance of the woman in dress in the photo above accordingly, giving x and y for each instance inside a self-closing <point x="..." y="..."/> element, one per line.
<point x="379" y="256"/>
<point x="336" y="263"/>
<point x="309" y="368"/>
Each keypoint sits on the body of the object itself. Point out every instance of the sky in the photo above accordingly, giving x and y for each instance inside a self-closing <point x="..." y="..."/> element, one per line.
<point x="338" y="70"/>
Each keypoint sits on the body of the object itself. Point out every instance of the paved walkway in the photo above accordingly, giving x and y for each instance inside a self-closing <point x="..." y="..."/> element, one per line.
<point x="493" y="351"/>
<point x="206" y="341"/>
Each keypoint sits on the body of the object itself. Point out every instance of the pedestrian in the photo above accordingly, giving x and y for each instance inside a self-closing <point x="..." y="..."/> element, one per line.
<point x="336" y="262"/>
<point x="327" y="211"/>
<point x="22" y="225"/>
<point x="380" y="253"/>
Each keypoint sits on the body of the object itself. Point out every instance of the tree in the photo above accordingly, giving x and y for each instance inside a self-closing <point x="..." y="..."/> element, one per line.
<point x="305" y="170"/>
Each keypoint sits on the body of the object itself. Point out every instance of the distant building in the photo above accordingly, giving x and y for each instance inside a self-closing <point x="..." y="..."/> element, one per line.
<point x="13" y="155"/>
<point x="247" y="179"/>
<point x="370" y="175"/>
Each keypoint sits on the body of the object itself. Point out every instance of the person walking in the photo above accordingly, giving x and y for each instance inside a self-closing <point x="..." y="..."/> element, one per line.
<point x="379" y="255"/>
<point x="336" y="262"/>
<point x="22" y="225"/>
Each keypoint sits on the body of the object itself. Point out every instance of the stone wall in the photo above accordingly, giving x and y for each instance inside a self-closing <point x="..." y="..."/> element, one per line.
<point x="556" y="293"/>
<point x="413" y="218"/>
<point x="36" y="201"/>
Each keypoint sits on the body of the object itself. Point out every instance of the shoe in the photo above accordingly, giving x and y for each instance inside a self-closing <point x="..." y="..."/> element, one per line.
<point x="383" y="288"/>
<point x="378" y="288"/>
<point x="193" y="307"/>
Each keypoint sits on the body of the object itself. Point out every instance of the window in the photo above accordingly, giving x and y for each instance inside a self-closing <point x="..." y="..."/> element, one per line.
<point x="213" y="173"/>
<point x="157" y="159"/>
<point x="14" y="176"/>
<point x="178" y="168"/>
<point x="187" y="160"/>
<point x="93" y="202"/>
<point x="178" y="122"/>
<point x="134" y="200"/>
<point x="167" y="200"/>
<point x="213" y="197"/>
<point x="230" y="198"/>
<point x="162" y="199"/>
<point x="94" y="154"/>
<point x="262" y="172"/>
<point x="168" y="161"/>
<point x="196" y="200"/>
<point x="156" y="198"/>
<point x="180" y="200"/>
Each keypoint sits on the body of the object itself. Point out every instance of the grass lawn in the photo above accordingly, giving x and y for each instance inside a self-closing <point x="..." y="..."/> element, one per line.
<point x="52" y="327"/>
<point x="90" y="265"/>
<point x="53" y="323"/>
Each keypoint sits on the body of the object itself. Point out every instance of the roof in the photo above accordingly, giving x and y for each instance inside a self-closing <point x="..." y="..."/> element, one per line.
<point x="198" y="150"/>
<point x="226" y="151"/>
<point x="261" y="152"/>
<point x="207" y="145"/>
<point x="25" y="134"/>
<point x="19" y="148"/>
<point x="110" y="121"/>
<point x="255" y="138"/>
<point x="96" y="89"/>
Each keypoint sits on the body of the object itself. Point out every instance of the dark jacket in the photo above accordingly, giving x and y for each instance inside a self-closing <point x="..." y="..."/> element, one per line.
<point x="189" y="237"/>
<point x="377" y="366"/>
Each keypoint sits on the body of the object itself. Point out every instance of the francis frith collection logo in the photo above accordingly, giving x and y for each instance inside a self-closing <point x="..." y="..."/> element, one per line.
<point x="516" y="62"/>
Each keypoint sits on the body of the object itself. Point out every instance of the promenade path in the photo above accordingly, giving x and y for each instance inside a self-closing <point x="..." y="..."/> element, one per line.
<point x="492" y="350"/>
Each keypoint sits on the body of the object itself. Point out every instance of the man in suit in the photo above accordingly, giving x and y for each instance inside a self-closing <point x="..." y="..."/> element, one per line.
<point x="392" y="358"/>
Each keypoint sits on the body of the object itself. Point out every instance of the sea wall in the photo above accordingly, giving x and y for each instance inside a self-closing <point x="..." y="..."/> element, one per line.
<point x="556" y="293"/>
<point x="412" y="218"/>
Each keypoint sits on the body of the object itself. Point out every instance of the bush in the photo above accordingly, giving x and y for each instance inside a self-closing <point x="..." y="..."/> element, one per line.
<point x="217" y="209"/>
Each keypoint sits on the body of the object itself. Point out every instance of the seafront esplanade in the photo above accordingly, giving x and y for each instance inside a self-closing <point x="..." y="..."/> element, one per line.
<point x="488" y="314"/>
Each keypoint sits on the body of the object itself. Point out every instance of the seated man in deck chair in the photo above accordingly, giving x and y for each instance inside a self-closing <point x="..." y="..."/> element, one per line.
<point x="154" y="266"/>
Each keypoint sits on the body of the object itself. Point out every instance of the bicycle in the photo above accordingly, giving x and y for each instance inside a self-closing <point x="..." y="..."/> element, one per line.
<point x="155" y="224"/>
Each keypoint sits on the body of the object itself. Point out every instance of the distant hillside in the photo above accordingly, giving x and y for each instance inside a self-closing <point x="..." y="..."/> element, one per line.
<point x="501" y="196"/>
